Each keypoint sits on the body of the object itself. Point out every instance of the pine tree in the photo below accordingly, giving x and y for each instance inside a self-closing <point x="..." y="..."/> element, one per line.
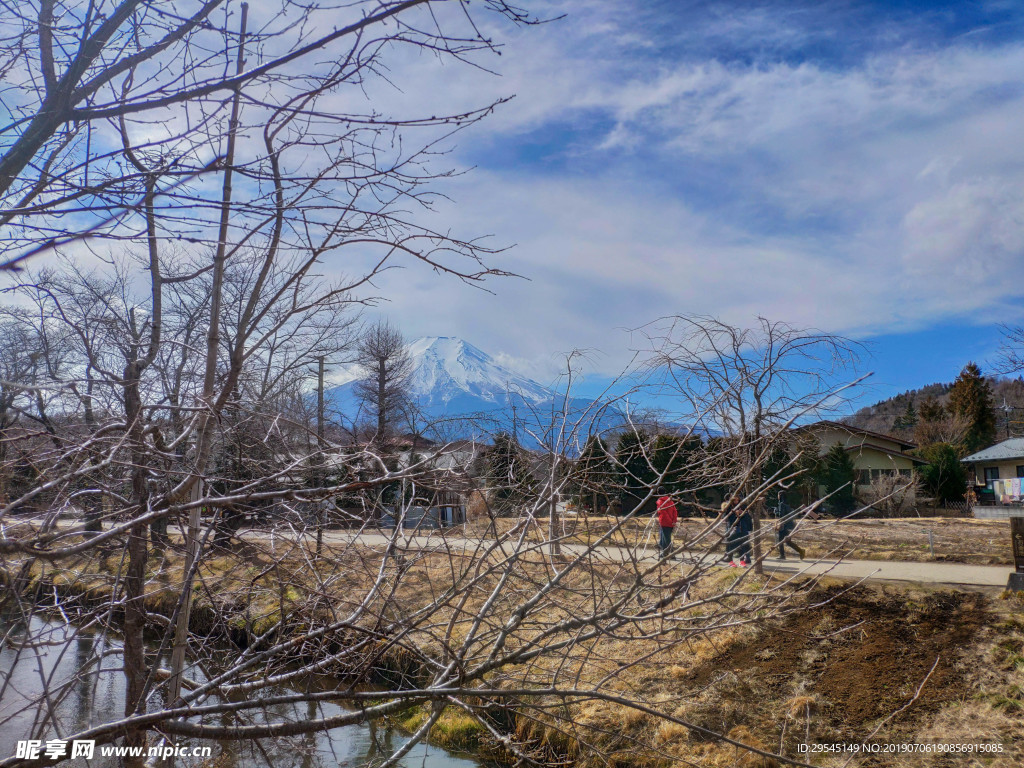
<point x="509" y="478"/>
<point x="807" y="466"/>
<point x="971" y="397"/>
<point x="837" y="474"/>
<point x="593" y="477"/>
<point x="636" y="473"/>
<point x="944" y="476"/>
<point x="909" y="418"/>
<point x="671" y="455"/>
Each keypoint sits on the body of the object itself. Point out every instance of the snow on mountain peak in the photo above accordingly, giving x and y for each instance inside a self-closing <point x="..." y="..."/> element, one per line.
<point x="446" y="367"/>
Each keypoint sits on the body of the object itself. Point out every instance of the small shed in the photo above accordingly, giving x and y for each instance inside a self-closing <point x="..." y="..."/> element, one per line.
<point x="443" y="510"/>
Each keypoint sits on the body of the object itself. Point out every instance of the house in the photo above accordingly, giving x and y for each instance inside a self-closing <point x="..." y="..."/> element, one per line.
<point x="874" y="454"/>
<point x="1002" y="461"/>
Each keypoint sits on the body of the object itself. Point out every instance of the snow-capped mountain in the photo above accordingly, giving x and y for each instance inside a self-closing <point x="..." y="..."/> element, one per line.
<point x="450" y="378"/>
<point x="461" y="391"/>
<point x="448" y="369"/>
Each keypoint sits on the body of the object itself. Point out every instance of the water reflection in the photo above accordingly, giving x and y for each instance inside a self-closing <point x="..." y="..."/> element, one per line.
<point x="81" y="669"/>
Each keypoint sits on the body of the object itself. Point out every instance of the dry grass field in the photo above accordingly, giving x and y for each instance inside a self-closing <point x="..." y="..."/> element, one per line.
<point x="888" y="665"/>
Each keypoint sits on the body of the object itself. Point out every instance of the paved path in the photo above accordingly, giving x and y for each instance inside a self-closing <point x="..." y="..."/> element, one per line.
<point x="957" y="574"/>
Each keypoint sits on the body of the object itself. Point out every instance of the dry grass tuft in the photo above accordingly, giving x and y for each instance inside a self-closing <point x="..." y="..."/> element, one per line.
<point x="631" y="718"/>
<point x="669" y="732"/>
<point x="745" y="759"/>
<point x="802" y="707"/>
<point x="678" y="672"/>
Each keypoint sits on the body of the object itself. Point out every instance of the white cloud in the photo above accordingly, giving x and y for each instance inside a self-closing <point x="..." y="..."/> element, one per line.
<point x="886" y="193"/>
<point x="885" y="197"/>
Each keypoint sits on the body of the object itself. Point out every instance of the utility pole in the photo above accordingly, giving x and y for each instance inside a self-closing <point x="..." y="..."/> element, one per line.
<point x="319" y="475"/>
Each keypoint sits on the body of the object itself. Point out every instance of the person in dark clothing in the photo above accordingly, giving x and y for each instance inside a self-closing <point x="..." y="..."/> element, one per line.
<point x="787" y="524"/>
<point x="667" y="516"/>
<point x="729" y="521"/>
<point x="738" y="526"/>
<point x="744" y="527"/>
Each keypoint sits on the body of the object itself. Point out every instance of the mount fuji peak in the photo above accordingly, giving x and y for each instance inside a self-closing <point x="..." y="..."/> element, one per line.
<point x="451" y="378"/>
<point x="450" y="371"/>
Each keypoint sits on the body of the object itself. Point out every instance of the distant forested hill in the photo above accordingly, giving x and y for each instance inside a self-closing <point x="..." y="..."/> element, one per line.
<point x="890" y="416"/>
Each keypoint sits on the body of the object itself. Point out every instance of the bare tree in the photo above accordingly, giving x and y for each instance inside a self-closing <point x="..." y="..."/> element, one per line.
<point x="383" y="355"/>
<point x="749" y="386"/>
<point x="1011" y="351"/>
<point x="944" y="427"/>
<point x="249" y="181"/>
<point x="77" y="73"/>
<point x="529" y="624"/>
<point x="540" y="635"/>
<point x="208" y="164"/>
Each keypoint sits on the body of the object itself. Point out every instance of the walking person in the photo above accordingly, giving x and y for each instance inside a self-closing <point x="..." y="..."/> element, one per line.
<point x="744" y="527"/>
<point x="729" y="520"/>
<point x="667" y="517"/>
<point x="738" y="524"/>
<point x="787" y="525"/>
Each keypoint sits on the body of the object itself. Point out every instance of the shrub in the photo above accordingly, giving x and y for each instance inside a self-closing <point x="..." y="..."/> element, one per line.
<point x="944" y="477"/>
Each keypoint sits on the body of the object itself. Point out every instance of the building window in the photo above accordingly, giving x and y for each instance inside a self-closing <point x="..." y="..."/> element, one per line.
<point x="991" y="473"/>
<point x="906" y="472"/>
<point x="864" y="477"/>
<point x="1020" y="470"/>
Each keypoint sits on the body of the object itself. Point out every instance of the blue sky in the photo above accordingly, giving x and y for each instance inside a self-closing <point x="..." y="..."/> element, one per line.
<point x="849" y="166"/>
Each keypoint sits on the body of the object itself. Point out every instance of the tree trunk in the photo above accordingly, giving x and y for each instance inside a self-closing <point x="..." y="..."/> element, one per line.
<point x="755" y="519"/>
<point x="321" y="508"/>
<point x="382" y="389"/>
<point x="135" y="668"/>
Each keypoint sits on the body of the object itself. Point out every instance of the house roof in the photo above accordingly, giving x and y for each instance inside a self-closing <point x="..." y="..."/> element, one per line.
<point x="857" y="431"/>
<point x="886" y="451"/>
<point x="1008" y="449"/>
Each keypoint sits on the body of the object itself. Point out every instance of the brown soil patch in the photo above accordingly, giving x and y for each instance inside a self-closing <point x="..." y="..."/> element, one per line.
<point x="868" y="677"/>
<point x="861" y="657"/>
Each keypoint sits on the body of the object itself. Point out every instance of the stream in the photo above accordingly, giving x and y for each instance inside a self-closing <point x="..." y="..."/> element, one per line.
<point x="61" y="650"/>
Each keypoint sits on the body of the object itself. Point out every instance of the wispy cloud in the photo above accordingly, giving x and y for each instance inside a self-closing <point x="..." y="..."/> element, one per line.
<point x="849" y="175"/>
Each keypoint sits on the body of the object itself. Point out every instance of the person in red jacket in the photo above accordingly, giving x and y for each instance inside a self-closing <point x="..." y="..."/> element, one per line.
<point x="667" y="517"/>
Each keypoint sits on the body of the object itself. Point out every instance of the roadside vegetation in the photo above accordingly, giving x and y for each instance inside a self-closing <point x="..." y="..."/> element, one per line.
<point x="798" y="663"/>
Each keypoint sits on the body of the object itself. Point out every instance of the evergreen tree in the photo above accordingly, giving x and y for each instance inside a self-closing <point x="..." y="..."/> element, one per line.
<point x="509" y="477"/>
<point x="908" y="420"/>
<point x="717" y="461"/>
<point x="636" y="473"/>
<point x="670" y="455"/>
<point x="971" y="397"/>
<point x="807" y="466"/>
<point x="837" y="474"/>
<point x="944" y="476"/>
<point x="779" y="464"/>
<point x="593" y="476"/>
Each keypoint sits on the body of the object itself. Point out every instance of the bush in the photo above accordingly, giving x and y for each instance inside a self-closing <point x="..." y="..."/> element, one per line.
<point x="891" y="495"/>
<point x="837" y="474"/>
<point x="943" y="477"/>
